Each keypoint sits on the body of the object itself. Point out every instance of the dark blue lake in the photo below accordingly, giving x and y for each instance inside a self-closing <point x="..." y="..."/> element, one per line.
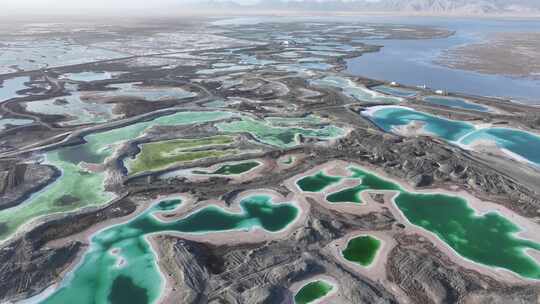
<point x="411" y="61"/>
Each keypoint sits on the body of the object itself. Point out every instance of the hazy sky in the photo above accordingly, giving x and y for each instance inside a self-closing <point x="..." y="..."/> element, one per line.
<point x="38" y="7"/>
<point x="60" y="6"/>
<point x="74" y="4"/>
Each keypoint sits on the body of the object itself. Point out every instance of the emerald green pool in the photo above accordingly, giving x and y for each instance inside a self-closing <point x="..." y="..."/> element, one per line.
<point x="77" y="188"/>
<point x="317" y="182"/>
<point x="349" y="195"/>
<point x="120" y="266"/>
<point x="289" y="160"/>
<point x="362" y="250"/>
<point x="312" y="292"/>
<point x="367" y="182"/>
<point x="489" y="239"/>
<point x="232" y="169"/>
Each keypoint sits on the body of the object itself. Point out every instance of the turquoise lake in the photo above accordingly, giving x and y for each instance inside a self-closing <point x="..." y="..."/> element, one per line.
<point x="522" y="144"/>
<point x="455" y="102"/>
<point x="120" y="266"/>
<point x="388" y="118"/>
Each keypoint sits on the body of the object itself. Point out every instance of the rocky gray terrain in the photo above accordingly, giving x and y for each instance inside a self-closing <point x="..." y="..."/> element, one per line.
<point x="237" y="78"/>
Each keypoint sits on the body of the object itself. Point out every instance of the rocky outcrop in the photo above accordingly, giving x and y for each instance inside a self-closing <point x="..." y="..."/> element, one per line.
<point x="27" y="269"/>
<point x="426" y="162"/>
<point x="263" y="272"/>
<point x="19" y="181"/>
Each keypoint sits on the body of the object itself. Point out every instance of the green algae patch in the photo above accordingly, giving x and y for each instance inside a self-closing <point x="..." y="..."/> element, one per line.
<point x="317" y="182"/>
<point x="74" y="189"/>
<point x="362" y="250"/>
<point x="313" y="291"/>
<point x="233" y="169"/>
<point x="77" y="188"/>
<point x="169" y="146"/>
<point x="120" y="266"/>
<point x="100" y="145"/>
<point x="489" y="239"/>
<point x="282" y="132"/>
<point x="147" y="162"/>
<point x="163" y="154"/>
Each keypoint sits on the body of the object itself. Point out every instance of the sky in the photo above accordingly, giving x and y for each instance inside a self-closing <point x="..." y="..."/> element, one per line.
<point x="77" y="9"/>
<point x="79" y="4"/>
<point x="61" y="6"/>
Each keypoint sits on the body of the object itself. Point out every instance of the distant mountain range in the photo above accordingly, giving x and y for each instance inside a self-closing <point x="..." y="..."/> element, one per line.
<point x="476" y="7"/>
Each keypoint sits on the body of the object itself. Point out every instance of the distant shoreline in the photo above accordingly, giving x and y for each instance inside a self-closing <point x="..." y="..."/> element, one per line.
<point x="10" y="15"/>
